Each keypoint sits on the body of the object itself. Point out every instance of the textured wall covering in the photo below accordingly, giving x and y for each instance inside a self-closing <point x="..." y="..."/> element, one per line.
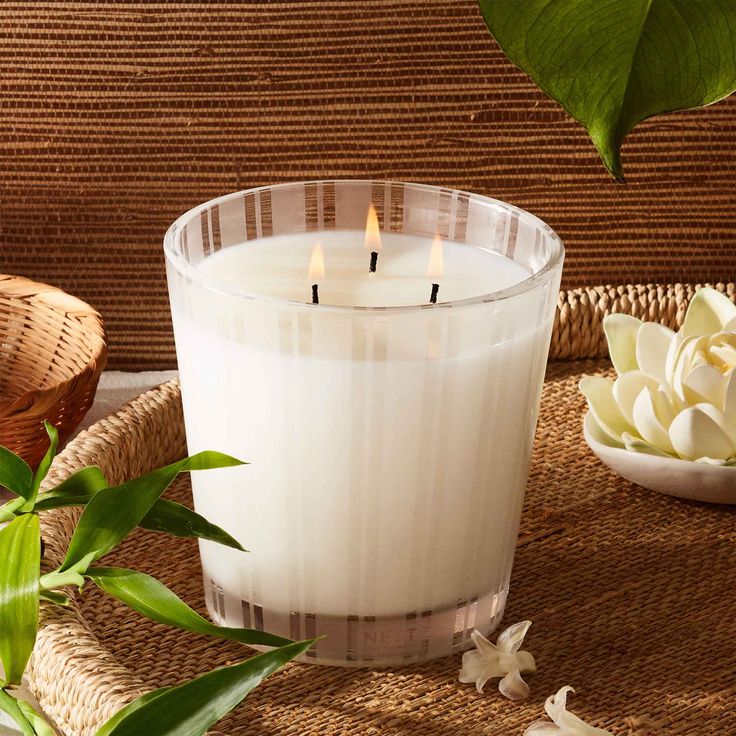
<point x="116" y="117"/>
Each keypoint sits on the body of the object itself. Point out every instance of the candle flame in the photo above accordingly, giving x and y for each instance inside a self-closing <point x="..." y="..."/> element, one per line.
<point x="317" y="264"/>
<point x="436" y="266"/>
<point x="372" y="231"/>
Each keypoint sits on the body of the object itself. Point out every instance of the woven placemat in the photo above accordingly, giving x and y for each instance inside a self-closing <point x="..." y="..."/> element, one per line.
<point x="630" y="592"/>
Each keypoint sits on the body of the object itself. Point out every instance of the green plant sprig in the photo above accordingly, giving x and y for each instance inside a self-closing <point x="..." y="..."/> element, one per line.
<point x="110" y="514"/>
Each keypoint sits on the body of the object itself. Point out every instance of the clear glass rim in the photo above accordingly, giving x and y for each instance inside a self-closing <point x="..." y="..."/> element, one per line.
<point x="188" y="270"/>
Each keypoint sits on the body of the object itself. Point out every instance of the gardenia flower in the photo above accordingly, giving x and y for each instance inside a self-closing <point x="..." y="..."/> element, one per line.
<point x="675" y="394"/>
<point x="502" y="659"/>
<point x="564" y="722"/>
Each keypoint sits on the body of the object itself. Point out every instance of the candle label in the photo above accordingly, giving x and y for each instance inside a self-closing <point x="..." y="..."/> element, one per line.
<point x="414" y="637"/>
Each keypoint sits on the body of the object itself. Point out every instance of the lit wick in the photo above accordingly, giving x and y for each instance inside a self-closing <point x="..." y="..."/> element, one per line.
<point x="316" y="270"/>
<point x="436" y="267"/>
<point x="374" y="261"/>
<point x="372" y="238"/>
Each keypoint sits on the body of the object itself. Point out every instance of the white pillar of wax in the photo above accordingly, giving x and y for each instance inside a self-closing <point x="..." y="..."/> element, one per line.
<point x="388" y="439"/>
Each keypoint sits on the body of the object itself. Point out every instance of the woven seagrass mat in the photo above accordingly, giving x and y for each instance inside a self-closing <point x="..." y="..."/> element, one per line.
<point x="120" y="115"/>
<point x="630" y="592"/>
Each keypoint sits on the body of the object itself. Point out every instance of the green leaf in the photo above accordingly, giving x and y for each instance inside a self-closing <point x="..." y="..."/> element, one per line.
<point x="613" y="63"/>
<point x="133" y="706"/>
<point x="190" y="709"/>
<point x="114" y="512"/>
<point x="12" y="707"/>
<point x="154" y="600"/>
<point x="76" y="490"/>
<point x="40" y="726"/>
<point x="43" y="466"/>
<point x="15" y="474"/>
<point x="164" y="516"/>
<point x="52" y="596"/>
<point x="173" y="518"/>
<point x="20" y="552"/>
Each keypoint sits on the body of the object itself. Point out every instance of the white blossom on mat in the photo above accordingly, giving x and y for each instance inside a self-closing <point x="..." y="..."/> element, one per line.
<point x="564" y="723"/>
<point x="502" y="659"/>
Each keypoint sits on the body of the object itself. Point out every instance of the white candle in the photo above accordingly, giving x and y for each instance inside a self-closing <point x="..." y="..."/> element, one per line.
<point x="388" y="448"/>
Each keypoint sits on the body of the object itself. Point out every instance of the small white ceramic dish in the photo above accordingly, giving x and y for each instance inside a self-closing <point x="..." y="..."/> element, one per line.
<point x="672" y="476"/>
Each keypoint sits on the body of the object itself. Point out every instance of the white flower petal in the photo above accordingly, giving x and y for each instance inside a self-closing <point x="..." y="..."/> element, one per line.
<point x="567" y="723"/>
<point x="649" y="421"/>
<point x="708" y="312"/>
<point x="555" y="704"/>
<point x="730" y="326"/>
<point x="510" y="639"/>
<point x="627" y="387"/>
<point x="542" y="728"/>
<point x="621" y="331"/>
<point x="652" y="345"/>
<point x="525" y="662"/>
<point x="599" y="393"/>
<point x="729" y="401"/>
<point x="697" y="432"/>
<point x="485" y="647"/>
<point x="513" y="686"/>
<point x="685" y="359"/>
<point x="634" y="444"/>
<point x="705" y="383"/>
<point x="598" y="434"/>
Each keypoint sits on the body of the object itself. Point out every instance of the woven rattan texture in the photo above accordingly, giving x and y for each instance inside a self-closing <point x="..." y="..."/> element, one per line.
<point x="118" y="116"/>
<point x="629" y="593"/>
<point x="52" y="351"/>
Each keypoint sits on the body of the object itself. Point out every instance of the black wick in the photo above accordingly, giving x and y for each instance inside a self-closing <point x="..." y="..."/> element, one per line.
<point x="435" y="290"/>
<point x="374" y="261"/>
<point x="315" y="294"/>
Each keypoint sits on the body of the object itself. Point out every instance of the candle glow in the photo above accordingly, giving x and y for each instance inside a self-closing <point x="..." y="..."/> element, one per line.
<point x="373" y="237"/>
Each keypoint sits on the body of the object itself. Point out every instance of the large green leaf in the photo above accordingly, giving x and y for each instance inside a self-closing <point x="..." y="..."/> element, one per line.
<point x="190" y="709"/>
<point x="15" y="474"/>
<point x="154" y="600"/>
<point x="179" y="521"/>
<point x="164" y="516"/>
<point x="613" y="63"/>
<point x="20" y="569"/>
<point x="76" y="490"/>
<point x="114" y="512"/>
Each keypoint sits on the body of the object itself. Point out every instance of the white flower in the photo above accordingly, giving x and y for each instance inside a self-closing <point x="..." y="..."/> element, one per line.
<point x="502" y="659"/>
<point x="675" y="394"/>
<point x="564" y="722"/>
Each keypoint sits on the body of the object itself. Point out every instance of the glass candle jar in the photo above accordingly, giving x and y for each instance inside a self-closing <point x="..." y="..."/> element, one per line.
<point x="383" y="386"/>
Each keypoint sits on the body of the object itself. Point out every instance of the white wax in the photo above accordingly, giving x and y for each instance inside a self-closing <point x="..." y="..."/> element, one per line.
<point x="279" y="267"/>
<point x="388" y="451"/>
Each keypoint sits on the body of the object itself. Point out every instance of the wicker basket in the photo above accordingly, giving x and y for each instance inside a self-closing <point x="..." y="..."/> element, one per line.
<point x="52" y="347"/>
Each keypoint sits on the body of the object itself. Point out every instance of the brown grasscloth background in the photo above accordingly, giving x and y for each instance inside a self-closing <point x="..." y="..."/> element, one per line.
<point x="117" y="116"/>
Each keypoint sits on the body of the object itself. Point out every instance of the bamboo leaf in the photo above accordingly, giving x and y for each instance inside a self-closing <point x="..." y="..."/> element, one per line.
<point x="613" y="63"/>
<point x="43" y="466"/>
<point x="39" y="723"/>
<point x="11" y="706"/>
<point x="114" y="512"/>
<point x="20" y="552"/>
<point x="179" y="521"/>
<point x="15" y="474"/>
<point x="76" y="490"/>
<point x="190" y="709"/>
<point x="164" y="516"/>
<point x="154" y="600"/>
